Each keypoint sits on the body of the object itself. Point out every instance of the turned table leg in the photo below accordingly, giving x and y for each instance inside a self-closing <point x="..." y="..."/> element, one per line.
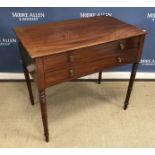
<point x="99" y="77"/>
<point x="43" y="107"/>
<point x="27" y="77"/>
<point x="130" y="86"/>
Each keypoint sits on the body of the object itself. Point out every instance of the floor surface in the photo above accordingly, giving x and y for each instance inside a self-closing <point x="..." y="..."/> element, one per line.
<point x="81" y="114"/>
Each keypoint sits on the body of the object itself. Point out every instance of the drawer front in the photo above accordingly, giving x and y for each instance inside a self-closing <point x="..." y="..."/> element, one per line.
<point x="57" y="76"/>
<point x="105" y="63"/>
<point x="89" y="54"/>
<point x="77" y="70"/>
<point x="99" y="52"/>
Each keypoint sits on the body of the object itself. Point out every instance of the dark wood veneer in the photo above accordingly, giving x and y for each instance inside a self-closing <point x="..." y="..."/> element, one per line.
<point x="51" y="38"/>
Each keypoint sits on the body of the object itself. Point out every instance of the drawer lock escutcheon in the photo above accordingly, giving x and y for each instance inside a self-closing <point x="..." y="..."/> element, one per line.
<point x="70" y="58"/>
<point x="121" y="46"/>
<point x="119" y="60"/>
<point x="71" y="72"/>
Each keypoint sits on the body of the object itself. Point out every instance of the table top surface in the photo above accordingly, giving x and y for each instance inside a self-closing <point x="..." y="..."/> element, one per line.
<point x="51" y="38"/>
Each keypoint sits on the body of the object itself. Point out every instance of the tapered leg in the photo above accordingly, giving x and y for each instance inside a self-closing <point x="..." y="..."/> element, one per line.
<point x="130" y="86"/>
<point x="43" y="107"/>
<point x="27" y="77"/>
<point x="28" y="82"/>
<point x="99" y="77"/>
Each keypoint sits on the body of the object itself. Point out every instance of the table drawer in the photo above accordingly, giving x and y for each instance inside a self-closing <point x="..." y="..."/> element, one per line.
<point x="54" y="77"/>
<point x="82" y="69"/>
<point x="88" y="54"/>
<point x="105" y="63"/>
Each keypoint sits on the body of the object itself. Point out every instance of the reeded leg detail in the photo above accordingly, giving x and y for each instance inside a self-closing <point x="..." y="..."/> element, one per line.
<point x="43" y="107"/>
<point x="130" y="86"/>
<point x="99" y="77"/>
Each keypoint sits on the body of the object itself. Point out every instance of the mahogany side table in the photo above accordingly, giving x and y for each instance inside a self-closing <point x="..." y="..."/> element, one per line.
<point x="63" y="51"/>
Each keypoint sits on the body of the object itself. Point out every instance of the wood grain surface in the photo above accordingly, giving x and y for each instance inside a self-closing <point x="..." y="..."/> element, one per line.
<point x="51" y="38"/>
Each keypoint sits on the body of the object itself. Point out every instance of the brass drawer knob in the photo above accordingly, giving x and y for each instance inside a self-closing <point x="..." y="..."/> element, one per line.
<point x="71" y="72"/>
<point x="119" y="59"/>
<point x="121" y="45"/>
<point x="70" y="58"/>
